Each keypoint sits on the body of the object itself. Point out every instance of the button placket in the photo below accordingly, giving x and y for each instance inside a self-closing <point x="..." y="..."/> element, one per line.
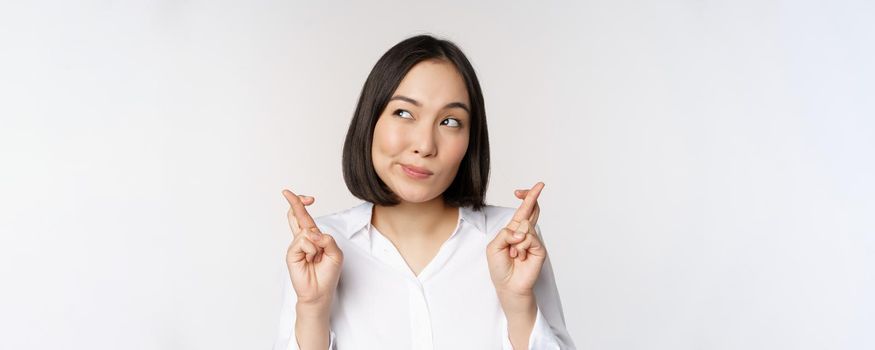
<point x="420" y="317"/>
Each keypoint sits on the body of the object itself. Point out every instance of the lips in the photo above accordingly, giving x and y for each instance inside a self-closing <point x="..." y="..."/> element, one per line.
<point x="415" y="170"/>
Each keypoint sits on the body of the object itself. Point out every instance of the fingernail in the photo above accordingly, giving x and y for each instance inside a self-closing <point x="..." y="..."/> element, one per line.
<point x="518" y="234"/>
<point x="315" y="236"/>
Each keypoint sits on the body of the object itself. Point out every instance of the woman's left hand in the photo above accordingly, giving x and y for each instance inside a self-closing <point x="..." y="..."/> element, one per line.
<point x="516" y="254"/>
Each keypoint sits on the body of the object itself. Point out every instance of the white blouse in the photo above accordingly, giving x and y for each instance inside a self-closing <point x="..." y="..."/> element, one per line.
<point x="452" y="304"/>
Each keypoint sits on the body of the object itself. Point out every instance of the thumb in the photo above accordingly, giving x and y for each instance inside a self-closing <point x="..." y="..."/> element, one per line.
<point x="327" y="243"/>
<point x="505" y="238"/>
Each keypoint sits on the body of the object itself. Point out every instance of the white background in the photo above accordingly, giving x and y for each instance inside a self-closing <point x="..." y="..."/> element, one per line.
<point x="708" y="164"/>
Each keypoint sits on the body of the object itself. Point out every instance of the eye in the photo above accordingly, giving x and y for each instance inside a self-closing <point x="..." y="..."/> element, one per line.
<point x="401" y="113"/>
<point x="453" y="122"/>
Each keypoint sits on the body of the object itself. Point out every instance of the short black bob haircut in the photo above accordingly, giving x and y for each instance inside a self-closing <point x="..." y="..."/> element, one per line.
<point x="469" y="186"/>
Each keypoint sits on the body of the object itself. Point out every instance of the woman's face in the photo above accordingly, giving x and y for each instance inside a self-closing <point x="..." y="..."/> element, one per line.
<point x="422" y="135"/>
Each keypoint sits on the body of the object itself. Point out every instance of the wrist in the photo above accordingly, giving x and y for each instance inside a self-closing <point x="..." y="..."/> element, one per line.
<point x="320" y="301"/>
<point x="312" y="328"/>
<point x="316" y="310"/>
<point x="520" y="314"/>
<point x="516" y="297"/>
<point x="517" y="304"/>
<point x="511" y="293"/>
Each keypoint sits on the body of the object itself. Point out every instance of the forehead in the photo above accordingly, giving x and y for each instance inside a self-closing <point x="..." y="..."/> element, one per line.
<point x="433" y="82"/>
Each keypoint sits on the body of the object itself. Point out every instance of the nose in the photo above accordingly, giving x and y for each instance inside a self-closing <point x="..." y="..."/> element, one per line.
<point x="423" y="141"/>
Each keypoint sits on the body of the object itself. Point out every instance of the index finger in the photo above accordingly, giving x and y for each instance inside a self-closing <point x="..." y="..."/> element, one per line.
<point x="521" y="194"/>
<point x="305" y="221"/>
<point x="525" y="209"/>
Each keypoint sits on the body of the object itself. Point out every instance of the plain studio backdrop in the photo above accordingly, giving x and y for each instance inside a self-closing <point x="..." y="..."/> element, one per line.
<point x="709" y="165"/>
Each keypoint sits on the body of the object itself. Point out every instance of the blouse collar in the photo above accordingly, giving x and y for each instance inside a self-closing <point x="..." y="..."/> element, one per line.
<point x="360" y="218"/>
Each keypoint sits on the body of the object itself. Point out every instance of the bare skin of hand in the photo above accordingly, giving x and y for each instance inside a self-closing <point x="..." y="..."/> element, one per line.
<point x="313" y="257"/>
<point x="516" y="254"/>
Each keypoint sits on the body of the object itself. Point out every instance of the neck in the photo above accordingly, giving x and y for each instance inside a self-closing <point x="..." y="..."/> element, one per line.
<point x="408" y="219"/>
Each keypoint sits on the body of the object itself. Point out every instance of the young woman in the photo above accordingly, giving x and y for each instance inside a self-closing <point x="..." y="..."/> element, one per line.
<point x="423" y="263"/>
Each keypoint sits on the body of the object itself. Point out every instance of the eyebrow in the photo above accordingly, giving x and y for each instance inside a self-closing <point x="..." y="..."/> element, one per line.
<point x="417" y="104"/>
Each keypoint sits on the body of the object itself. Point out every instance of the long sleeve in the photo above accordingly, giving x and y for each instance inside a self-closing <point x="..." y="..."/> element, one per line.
<point x="286" y="339"/>
<point x="549" y="331"/>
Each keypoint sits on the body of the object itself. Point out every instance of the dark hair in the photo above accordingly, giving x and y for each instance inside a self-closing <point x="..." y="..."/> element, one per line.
<point x="469" y="186"/>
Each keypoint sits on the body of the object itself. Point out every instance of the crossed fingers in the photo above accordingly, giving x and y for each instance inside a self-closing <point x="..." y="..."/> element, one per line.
<point x="299" y="219"/>
<point x="529" y="208"/>
<point x="524" y="220"/>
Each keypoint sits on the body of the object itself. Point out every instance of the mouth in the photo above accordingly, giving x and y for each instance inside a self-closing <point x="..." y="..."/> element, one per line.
<point x="416" y="172"/>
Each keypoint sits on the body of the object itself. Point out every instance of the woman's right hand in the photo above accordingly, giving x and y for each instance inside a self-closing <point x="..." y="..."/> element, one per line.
<point x="313" y="258"/>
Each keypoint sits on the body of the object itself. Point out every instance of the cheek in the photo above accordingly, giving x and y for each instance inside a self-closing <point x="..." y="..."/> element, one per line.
<point x="388" y="140"/>
<point x="456" y="150"/>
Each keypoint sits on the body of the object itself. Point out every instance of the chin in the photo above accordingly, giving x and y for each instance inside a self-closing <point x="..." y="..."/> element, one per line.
<point x="415" y="195"/>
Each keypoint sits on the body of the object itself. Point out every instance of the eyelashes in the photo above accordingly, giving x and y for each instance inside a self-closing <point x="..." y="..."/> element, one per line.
<point x="402" y="113"/>
<point x="398" y="112"/>
<point x="458" y="123"/>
